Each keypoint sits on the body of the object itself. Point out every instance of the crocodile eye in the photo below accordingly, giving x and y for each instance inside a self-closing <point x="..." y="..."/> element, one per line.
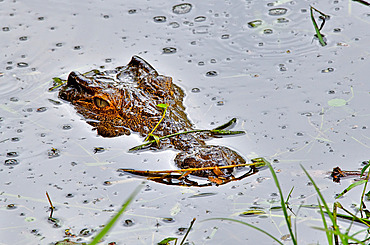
<point x="100" y="103"/>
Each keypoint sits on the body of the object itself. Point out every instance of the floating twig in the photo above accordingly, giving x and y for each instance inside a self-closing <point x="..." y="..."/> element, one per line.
<point x="187" y="232"/>
<point x="52" y="208"/>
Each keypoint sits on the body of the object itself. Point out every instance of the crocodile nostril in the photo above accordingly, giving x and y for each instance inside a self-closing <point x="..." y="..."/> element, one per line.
<point x="72" y="79"/>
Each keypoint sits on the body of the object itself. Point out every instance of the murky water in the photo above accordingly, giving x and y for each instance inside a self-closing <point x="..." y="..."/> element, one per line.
<point x="299" y="103"/>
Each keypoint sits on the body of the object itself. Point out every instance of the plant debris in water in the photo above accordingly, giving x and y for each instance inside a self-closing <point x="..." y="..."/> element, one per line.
<point x="323" y="17"/>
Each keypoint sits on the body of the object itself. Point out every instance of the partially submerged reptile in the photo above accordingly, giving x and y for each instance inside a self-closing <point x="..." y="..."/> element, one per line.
<point x="124" y="100"/>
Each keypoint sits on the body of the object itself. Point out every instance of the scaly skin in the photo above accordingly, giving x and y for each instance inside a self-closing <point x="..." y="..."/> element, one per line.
<point x="124" y="100"/>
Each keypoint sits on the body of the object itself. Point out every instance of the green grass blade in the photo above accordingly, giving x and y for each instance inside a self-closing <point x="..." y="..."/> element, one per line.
<point x="252" y="226"/>
<point x="226" y="125"/>
<point x="328" y="235"/>
<point x="319" y="36"/>
<point x="333" y="220"/>
<point x="283" y="205"/>
<point x="110" y="224"/>
<point x="362" y="205"/>
<point x="364" y="168"/>
<point x="348" y="237"/>
<point x="350" y="187"/>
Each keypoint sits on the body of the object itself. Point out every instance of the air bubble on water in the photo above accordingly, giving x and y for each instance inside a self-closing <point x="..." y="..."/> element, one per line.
<point x="41" y="109"/>
<point x="11" y="162"/>
<point x="327" y="70"/>
<point x="225" y="36"/>
<point x="183" y="8"/>
<point x="128" y="223"/>
<point x="201" y="29"/>
<point x="169" y="50"/>
<point x="282" y="20"/>
<point x="200" y="19"/>
<point x="211" y="73"/>
<point x="159" y="19"/>
<point x="22" y="64"/>
<point x="174" y="24"/>
<point x="66" y="127"/>
<point x="277" y="11"/>
<point x="268" y="31"/>
<point x="12" y="154"/>
<point x="254" y="23"/>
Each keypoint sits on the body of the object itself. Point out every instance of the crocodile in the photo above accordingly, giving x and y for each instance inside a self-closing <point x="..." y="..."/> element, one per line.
<point x="124" y="100"/>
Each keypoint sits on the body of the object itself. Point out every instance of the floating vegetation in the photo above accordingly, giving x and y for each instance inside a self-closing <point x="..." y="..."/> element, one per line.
<point x="164" y="107"/>
<point x="57" y="82"/>
<point x="180" y="176"/>
<point x="216" y="131"/>
<point x="323" y="17"/>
